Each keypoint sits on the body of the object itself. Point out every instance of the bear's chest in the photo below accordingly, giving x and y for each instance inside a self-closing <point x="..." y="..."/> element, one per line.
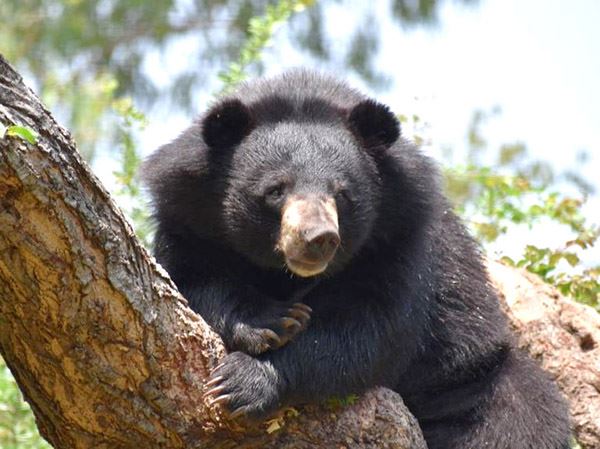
<point x="282" y="286"/>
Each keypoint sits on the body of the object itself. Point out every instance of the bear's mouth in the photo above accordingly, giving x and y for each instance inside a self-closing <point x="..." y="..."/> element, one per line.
<point x="305" y="269"/>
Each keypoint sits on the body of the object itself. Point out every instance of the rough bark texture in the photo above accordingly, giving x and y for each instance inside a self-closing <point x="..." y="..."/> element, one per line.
<point x="563" y="336"/>
<point x="102" y="345"/>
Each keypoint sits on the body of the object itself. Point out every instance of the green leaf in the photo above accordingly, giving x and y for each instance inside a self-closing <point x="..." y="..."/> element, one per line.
<point x="508" y="261"/>
<point x="23" y="132"/>
<point x="572" y="258"/>
<point x="555" y="258"/>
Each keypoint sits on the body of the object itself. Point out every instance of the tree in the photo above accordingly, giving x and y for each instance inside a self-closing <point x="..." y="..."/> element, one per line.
<point x="103" y="346"/>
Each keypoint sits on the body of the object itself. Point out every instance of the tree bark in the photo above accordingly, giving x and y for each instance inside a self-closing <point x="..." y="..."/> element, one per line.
<point x="563" y="336"/>
<point x="102" y="345"/>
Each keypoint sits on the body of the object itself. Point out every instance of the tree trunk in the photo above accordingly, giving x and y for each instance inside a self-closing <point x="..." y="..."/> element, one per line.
<point x="102" y="345"/>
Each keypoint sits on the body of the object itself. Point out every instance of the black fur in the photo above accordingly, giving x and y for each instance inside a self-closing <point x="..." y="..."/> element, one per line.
<point x="406" y="302"/>
<point x="227" y="124"/>
<point x="374" y="124"/>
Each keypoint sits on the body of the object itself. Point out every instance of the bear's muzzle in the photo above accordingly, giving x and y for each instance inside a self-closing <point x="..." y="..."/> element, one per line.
<point x="309" y="235"/>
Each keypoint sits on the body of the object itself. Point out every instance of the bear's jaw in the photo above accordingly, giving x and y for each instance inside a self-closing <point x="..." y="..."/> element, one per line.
<point x="305" y="269"/>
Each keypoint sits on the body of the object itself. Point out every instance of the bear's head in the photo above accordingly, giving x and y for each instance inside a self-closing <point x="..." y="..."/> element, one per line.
<point x="300" y="185"/>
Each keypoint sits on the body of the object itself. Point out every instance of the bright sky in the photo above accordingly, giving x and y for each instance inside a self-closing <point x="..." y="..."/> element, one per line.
<point x="539" y="60"/>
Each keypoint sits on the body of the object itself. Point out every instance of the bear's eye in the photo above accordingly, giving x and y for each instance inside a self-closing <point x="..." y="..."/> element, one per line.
<point x="342" y="192"/>
<point x="275" y="192"/>
<point x="344" y="195"/>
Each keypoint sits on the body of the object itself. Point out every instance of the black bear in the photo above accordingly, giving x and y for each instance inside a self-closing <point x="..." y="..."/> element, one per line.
<point x="317" y="242"/>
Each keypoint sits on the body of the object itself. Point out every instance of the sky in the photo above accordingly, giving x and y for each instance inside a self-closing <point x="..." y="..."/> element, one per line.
<point x="538" y="61"/>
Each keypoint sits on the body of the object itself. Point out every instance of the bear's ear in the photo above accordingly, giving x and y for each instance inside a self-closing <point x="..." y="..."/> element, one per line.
<point x="374" y="124"/>
<point x="227" y="124"/>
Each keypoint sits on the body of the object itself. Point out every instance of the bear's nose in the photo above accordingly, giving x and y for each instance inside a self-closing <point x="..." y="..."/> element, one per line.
<point x="322" y="243"/>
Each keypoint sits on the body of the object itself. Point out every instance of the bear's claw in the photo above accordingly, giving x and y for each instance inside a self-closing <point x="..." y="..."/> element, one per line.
<point x="277" y="327"/>
<point x="235" y="396"/>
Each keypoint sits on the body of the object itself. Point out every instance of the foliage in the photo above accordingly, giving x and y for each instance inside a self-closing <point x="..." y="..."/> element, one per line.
<point x="495" y="204"/>
<point x="260" y="31"/>
<point x="501" y="201"/>
<point x="129" y="196"/>
<point x="86" y="108"/>
<point x="22" y="132"/>
<point x="17" y="425"/>
<point x="80" y="54"/>
<point x="336" y="403"/>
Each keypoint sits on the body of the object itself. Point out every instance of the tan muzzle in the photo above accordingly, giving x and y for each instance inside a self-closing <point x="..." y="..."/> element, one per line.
<point x="309" y="233"/>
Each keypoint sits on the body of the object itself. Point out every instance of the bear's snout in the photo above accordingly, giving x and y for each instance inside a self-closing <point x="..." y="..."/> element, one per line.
<point x="321" y="242"/>
<point x="309" y="234"/>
